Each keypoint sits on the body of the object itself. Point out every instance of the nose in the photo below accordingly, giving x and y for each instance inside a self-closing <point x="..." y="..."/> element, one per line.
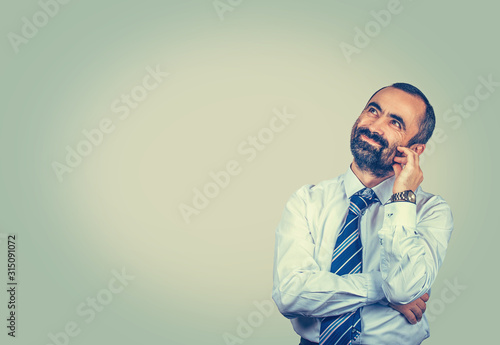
<point x="377" y="126"/>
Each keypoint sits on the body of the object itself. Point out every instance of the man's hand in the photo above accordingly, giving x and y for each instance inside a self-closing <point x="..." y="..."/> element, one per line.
<point x="413" y="311"/>
<point x="407" y="171"/>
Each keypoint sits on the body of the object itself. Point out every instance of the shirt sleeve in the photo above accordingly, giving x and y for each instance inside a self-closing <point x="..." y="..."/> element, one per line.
<point x="413" y="248"/>
<point x="300" y="287"/>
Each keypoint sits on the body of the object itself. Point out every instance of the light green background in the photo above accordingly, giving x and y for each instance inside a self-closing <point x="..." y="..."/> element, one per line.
<point x="119" y="208"/>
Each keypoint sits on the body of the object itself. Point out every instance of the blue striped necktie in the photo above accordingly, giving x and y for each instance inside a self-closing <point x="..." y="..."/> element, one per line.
<point x="347" y="258"/>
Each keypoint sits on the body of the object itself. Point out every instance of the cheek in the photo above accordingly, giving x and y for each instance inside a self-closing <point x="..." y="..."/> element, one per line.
<point x="396" y="139"/>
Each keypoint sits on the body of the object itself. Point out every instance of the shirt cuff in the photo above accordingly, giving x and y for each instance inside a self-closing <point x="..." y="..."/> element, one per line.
<point x="400" y="213"/>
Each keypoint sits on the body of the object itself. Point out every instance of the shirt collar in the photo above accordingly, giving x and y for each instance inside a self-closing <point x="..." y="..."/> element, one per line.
<point x="383" y="190"/>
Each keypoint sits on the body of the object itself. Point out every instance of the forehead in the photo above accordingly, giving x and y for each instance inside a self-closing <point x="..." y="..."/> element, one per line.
<point x="394" y="101"/>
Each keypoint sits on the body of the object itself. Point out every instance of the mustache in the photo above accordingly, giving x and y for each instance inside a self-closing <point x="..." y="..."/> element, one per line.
<point x="373" y="136"/>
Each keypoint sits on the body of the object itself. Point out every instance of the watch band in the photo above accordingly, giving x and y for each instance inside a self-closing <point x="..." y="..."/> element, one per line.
<point x="406" y="195"/>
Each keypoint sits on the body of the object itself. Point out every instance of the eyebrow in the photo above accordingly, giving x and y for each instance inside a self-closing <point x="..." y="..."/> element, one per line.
<point x="394" y="116"/>
<point x="375" y="105"/>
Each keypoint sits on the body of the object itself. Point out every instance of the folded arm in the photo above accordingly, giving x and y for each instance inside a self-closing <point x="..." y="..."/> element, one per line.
<point x="412" y="250"/>
<point x="300" y="287"/>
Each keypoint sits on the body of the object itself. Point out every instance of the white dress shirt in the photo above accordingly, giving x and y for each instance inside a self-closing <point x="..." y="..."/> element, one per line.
<point x="403" y="247"/>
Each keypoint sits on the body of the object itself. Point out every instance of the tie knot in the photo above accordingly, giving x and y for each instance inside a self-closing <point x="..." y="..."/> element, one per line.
<point x="362" y="199"/>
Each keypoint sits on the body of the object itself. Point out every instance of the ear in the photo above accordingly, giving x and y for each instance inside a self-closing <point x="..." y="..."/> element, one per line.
<point x="418" y="148"/>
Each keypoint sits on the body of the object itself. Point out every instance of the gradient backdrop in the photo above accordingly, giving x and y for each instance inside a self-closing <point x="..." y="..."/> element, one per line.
<point x="230" y="71"/>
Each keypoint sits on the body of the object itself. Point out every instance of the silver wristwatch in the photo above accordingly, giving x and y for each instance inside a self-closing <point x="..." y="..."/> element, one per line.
<point x="407" y="195"/>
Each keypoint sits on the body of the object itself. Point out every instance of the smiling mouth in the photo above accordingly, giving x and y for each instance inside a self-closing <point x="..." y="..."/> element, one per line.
<point x="370" y="141"/>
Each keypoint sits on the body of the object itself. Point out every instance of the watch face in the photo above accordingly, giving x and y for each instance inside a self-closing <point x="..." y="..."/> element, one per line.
<point x="410" y="196"/>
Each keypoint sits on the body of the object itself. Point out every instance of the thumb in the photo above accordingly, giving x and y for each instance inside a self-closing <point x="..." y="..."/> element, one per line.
<point x="397" y="169"/>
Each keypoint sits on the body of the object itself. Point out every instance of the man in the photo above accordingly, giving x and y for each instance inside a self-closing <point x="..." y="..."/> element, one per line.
<point x="356" y="255"/>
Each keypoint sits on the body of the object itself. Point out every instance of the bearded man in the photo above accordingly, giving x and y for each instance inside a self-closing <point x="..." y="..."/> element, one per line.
<point x="356" y="255"/>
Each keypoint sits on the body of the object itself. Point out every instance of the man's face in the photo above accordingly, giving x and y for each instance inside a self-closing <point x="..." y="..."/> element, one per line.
<point x="390" y="119"/>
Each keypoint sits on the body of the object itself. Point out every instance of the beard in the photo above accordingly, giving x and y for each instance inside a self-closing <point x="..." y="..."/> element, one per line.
<point x="376" y="160"/>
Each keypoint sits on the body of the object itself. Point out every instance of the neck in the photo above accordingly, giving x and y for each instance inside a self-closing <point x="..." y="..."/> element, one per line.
<point x="366" y="177"/>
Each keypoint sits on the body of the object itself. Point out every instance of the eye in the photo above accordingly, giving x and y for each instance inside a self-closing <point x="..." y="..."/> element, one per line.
<point x="372" y="110"/>
<point x="396" y="123"/>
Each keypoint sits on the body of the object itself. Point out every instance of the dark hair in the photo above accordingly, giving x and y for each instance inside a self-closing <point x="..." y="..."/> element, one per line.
<point x="427" y="124"/>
